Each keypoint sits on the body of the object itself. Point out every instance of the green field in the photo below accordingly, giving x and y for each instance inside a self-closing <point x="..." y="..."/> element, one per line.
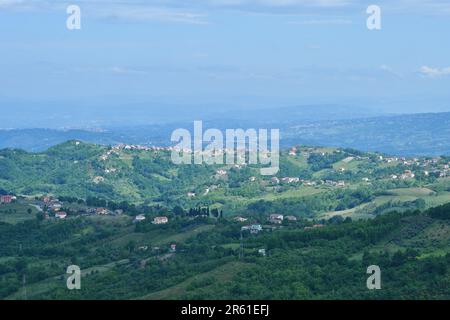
<point x="15" y="213"/>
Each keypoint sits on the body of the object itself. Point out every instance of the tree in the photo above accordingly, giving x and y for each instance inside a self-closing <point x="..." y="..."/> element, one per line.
<point x="179" y="211"/>
<point x="130" y="246"/>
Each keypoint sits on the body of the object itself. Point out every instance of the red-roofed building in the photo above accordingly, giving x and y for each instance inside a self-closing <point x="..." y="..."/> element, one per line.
<point x="160" y="220"/>
<point x="6" y="199"/>
<point x="61" y="215"/>
<point x="102" y="211"/>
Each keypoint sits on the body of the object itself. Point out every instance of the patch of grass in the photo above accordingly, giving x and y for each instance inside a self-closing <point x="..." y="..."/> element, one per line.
<point x="180" y="237"/>
<point x="414" y="192"/>
<point x="14" y="213"/>
<point x="221" y="274"/>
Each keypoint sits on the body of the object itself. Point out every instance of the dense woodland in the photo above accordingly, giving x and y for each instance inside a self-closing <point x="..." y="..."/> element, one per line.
<point x="322" y="263"/>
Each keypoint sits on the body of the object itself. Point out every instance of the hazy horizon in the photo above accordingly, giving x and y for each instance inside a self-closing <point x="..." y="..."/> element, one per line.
<point x="224" y="55"/>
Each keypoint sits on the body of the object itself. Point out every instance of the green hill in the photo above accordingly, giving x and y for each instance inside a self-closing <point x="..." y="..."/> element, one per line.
<point x="311" y="182"/>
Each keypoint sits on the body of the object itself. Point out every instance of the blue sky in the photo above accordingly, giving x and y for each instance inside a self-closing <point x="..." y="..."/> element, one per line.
<point x="227" y="52"/>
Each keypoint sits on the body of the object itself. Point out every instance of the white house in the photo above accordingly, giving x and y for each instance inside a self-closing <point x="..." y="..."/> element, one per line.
<point x="139" y="218"/>
<point x="160" y="220"/>
<point x="60" y="215"/>
<point x="276" y="218"/>
<point x="255" y="228"/>
<point x="221" y="172"/>
<point x="240" y="219"/>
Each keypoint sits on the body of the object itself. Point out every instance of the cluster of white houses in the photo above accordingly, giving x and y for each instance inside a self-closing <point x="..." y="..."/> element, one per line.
<point x="55" y="206"/>
<point x="294" y="151"/>
<point x="408" y="174"/>
<point x="176" y="149"/>
<point x="276" y="218"/>
<point x="255" y="228"/>
<point x="156" y="220"/>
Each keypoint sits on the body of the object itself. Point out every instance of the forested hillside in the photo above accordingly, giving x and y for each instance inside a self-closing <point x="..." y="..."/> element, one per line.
<point x="122" y="260"/>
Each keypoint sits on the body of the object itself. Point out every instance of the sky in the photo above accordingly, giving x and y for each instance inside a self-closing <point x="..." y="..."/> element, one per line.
<point x="223" y="53"/>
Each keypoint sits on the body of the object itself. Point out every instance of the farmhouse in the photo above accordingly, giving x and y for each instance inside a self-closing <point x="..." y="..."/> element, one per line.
<point x="255" y="228"/>
<point x="240" y="219"/>
<point x="56" y="206"/>
<point x="160" y="220"/>
<point x="290" y="180"/>
<point x="6" y="199"/>
<point x="221" y="172"/>
<point x="101" y="211"/>
<point x="276" y="218"/>
<point x="60" y="215"/>
<point x="275" y="180"/>
<point x="407" y="175"/>
<point x="139" y="218"/>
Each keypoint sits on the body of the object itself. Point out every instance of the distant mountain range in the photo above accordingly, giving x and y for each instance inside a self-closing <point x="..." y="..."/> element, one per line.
<point x="408" y="135"/>
<point x="94" y="116"/>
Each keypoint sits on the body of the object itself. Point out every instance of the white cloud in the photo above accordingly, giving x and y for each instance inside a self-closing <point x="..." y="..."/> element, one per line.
<point x="391" y="71"/>
<point x="245" y="5"/>
<point x="434" y="72"/>
<point x="127" y="71"/>
<point x="424" y="7"/>
<point x="144" y="13"/>
<point x="280" y="3"/>
<point x="193" y="11"/>
<point x="322" y="22"/>
<point x="131" y="10"/>
<point x="11" y="4"/>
